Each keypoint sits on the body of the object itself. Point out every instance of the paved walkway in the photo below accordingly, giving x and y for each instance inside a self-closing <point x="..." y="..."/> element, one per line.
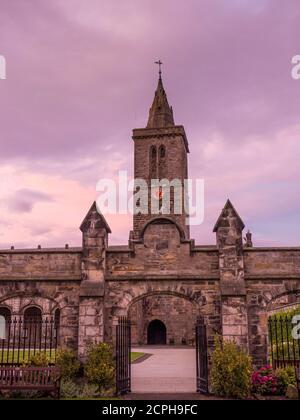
<point x="169" y="370"/>
<point x="169" y="397"/>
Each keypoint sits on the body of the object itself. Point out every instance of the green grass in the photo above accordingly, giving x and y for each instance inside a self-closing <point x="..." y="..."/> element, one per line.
<point x="135" y="355"/>
<point x="10" y="356"/>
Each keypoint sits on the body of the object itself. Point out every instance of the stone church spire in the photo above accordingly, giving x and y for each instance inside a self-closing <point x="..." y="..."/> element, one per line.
<point x="161" y="113"/>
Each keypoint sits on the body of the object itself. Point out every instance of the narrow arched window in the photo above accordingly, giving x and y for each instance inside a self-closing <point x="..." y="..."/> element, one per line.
<point x="162" y="152"/>
<point x="57" y="318"/>
<point x="153" y="162"/>
<point x="162" y="164"/>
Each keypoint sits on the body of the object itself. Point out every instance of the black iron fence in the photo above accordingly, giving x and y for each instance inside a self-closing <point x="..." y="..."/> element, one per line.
<point x="284" y="346"/>
<point x="25" y="338"/>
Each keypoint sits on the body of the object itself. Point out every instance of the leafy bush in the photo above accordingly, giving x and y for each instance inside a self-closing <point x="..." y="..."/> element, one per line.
<point x="285" y="377"/>
<point x="231" y="370"/>
<point x="264" y="381"/>
<point x="68" y="363"/>
<point x="83" y="391"/>
<point x="69" y="389"/>
<point x="40" y="358"/>
<point x="90" y="391"/>
<point x="100" y="367"/>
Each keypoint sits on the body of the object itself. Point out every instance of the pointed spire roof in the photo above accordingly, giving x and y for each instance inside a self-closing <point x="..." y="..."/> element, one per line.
<point x="161" y="113"/>
<point x="228" y="211"/>
<point x="95" y="217"/>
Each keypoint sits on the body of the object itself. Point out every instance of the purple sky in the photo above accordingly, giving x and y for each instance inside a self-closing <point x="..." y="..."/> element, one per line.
<point x="80" y="77"/>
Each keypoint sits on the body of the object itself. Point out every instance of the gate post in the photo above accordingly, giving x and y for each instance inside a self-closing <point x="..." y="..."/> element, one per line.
<point x="92" y="290"/>
<point x="234" y="311"/>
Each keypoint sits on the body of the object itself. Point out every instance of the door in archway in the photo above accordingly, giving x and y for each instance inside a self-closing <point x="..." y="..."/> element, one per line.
<point x="157" y="333"/>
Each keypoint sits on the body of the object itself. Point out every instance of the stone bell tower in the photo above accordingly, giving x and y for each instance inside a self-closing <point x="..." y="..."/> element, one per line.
<point x="160" y="153"/>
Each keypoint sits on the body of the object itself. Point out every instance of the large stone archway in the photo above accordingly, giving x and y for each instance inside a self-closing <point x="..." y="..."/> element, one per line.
<point x="176" y="304"/>
<point x="177" y="312"/>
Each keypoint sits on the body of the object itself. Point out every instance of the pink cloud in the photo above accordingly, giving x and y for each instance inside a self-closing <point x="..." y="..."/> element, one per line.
<point x="80" y="76"/>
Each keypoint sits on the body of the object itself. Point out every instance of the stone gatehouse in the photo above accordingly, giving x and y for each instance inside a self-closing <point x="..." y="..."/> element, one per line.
<point x="161" y="278"/>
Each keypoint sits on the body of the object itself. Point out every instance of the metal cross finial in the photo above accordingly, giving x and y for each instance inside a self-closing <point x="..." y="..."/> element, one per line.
<point x="159" y="64"/>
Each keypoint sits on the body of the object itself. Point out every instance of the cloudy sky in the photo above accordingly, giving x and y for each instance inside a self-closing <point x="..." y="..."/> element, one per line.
<point x="80" y="77"/>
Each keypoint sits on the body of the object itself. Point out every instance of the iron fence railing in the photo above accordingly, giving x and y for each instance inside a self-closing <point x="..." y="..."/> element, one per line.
<point x="25" y="338"/>
<point x="284" y="347"/>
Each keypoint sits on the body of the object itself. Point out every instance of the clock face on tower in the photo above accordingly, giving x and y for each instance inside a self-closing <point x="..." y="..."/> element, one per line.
<point x="158" y="194"/>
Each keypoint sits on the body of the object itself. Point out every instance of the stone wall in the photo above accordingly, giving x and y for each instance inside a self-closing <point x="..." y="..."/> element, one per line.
<point x="161" y="253"/>
<point x="91" y="324"/>
<point x="264" y="262"/>
<point x="58" y="264"/>
<point x="161" y="276"/>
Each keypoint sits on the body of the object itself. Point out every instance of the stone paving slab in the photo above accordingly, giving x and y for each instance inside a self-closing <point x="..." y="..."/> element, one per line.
<point x="167" y="370"/>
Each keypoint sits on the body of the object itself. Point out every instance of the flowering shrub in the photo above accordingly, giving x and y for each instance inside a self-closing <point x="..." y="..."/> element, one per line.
<point x="264" y="381"/>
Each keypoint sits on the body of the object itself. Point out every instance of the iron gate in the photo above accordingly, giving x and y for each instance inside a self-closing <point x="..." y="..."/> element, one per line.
<point x="123" y="354"/>
<point x="201" y="356"/>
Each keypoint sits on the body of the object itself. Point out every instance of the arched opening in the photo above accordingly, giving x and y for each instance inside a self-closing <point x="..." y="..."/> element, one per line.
<point x="162" y="152"/>
<point x="163" y="171"/>
<point x="270" y="326"/>
<point x="32" y="314"/>
<point x="157" y="333"/>
<point x="283" y="344"/>
<point x="57" y="318"/>
<point x="33" y="326"/>
<point x="175" y="310"/>
<point x="5" y="312"/>
<point x="153" y="162"/>
<point x="5" y="315"/>
<point x="164" y="319"/>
